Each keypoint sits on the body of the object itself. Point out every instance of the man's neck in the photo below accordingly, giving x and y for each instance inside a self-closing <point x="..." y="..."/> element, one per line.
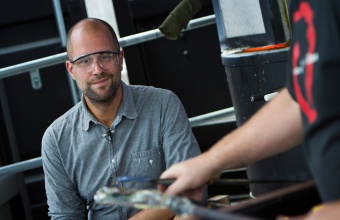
<point x="106" y="113"/>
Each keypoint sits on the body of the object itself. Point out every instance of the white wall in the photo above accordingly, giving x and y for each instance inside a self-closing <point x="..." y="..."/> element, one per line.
<point x="103" y="9"/>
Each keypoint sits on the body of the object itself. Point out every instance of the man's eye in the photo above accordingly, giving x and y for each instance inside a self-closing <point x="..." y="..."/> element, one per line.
<point x="84" y="61"/>
<point x="105" y="56"/>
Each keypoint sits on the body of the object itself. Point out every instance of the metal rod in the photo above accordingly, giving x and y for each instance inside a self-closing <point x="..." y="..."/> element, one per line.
<point x="201" y="22"/>
<point x="74" y="89"/>
<point x="140" y="37"/>
<point x="60" y="21"/>
<point x="210" y="214"/>
<point x="225" y="115"/>
<point x="125" y="41"/>
<point x="58" y="12"/>
<point x="21" y="166"/>
<point x="29" y="46"/>
<point x="33" y="64"/>
<point x="156" y="33"/>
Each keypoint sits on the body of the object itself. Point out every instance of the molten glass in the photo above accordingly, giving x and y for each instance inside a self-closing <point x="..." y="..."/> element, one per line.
<point x="143" y="199"/>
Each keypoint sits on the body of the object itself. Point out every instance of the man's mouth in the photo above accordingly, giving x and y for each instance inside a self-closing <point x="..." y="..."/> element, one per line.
<point x="101" y="81"/>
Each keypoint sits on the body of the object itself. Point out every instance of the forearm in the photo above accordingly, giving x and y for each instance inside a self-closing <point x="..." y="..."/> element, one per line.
<point x="62" y="198"/>
<point x="272" y="130"/>
<point x="153" y="214"/>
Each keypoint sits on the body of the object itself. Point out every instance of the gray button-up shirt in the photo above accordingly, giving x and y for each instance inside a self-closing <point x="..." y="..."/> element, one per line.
<point x="150" y="133"/>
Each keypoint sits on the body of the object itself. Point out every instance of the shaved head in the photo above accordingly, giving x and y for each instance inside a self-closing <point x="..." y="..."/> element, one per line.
<point x="90" y="26"/>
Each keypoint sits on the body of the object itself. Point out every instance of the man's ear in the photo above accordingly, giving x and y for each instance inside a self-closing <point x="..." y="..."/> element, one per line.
<point x="69" y="67"/>
<point x="121" y="59"/>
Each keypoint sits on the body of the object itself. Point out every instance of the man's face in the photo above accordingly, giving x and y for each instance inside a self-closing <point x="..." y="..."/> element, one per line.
<point x="98" y="76"/>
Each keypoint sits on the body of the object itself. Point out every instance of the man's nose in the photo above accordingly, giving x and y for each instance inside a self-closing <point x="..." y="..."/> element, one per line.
<point x="97" y="66"/>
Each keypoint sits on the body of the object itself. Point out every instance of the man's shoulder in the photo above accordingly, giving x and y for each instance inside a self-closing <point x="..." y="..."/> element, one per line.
<point x="67" y="117"/>
<point x="149" y="91"/>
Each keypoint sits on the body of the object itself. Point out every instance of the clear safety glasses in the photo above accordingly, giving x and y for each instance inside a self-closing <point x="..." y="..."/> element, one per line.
<point x="106" y="60"/>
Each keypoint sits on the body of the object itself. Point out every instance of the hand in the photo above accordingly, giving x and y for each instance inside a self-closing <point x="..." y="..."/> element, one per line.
<point x="191" y="176"/>
<point x="190" y="217"/>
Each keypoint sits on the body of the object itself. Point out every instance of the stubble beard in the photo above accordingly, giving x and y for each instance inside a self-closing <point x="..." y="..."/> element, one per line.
<point x="100" y="100"/>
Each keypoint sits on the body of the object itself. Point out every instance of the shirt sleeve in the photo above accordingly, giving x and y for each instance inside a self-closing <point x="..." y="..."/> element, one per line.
<point x="179" y="142"/>
<point x="62" y="197"/>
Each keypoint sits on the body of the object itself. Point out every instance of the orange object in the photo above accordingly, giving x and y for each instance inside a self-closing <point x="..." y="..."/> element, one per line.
<point x="269" y="47"/>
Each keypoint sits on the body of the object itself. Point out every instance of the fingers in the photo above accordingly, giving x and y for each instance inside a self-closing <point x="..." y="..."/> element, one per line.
<point x="183" y="179"/>
<point x="193" y="194"/>
<point x="189" y="174"/>
<point x="178" y="186"/>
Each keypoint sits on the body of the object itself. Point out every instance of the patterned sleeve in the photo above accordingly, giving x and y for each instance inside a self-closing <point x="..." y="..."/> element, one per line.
<point x="179" y="142"/>
<point x="62" y="197"/>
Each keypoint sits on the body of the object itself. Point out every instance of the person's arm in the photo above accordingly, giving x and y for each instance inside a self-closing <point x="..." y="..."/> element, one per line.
<point x="63" y="199"/>
<point x="273" y="129"/>
<point x="153" y="214"/>
<point x="164" y="214"/>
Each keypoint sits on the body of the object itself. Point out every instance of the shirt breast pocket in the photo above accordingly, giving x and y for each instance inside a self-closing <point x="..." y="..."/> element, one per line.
<point x="149" y="163"/>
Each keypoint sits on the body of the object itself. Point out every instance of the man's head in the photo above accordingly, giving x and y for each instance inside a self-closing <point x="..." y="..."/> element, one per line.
<point x="95" y="60"/>
<point x="89" y="25"/>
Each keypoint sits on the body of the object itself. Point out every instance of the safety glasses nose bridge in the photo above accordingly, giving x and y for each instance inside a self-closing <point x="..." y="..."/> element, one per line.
<point x="102" y="63"/>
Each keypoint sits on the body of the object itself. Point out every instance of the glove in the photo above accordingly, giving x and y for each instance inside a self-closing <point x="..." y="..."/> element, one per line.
<point x="179" y="18"/>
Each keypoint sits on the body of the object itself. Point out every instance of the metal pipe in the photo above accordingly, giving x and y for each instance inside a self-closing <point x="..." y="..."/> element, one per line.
<point x="125" y="41"/>
<point x="33" y="64"/>
<point x="140" y="37"/>
<point x="156" y="33"/>
<point x="29" y="46"/>
<point x="76" y="97"/>
<point x="58" y="12"/>
<point x="224" y="115"/>
<point x="21" y="166"/>
<point x="60" y="21"/>
<point x="210" y="214"/>
<point x="201" y="22"/>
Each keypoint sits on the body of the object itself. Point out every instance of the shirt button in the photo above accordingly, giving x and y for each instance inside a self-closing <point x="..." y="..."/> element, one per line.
<point x="113" y="160"/>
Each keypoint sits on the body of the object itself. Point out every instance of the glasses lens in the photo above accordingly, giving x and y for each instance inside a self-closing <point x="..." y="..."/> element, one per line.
<point x="87" y="62"/>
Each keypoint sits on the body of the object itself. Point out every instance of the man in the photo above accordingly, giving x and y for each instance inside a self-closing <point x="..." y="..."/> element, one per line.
<point x="116" y="130"/>
<point x="307" y="111"/>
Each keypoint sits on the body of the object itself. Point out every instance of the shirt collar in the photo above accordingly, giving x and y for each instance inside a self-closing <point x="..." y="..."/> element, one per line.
<point x="127" y="108"/>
